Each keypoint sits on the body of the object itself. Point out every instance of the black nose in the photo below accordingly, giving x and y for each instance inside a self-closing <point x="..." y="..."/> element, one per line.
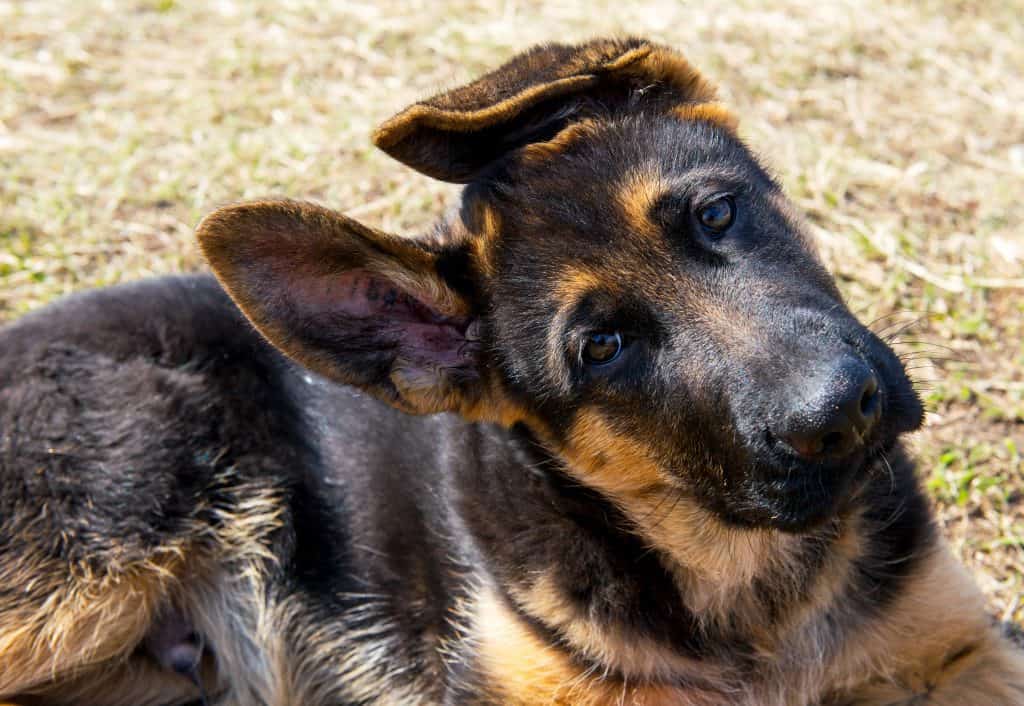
<point x="837" y="411"/>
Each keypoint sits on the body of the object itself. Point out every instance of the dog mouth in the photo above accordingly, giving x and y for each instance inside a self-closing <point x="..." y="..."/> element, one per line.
<point x="795" y="493"/>
<point x="772" y="487"/>
<point x="800" y="496"/>
<point x="793" y="490"/>
<point x="803" y="500"/>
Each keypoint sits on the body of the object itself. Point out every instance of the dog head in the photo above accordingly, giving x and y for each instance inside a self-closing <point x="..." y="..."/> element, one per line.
<point x="622" y="276"/>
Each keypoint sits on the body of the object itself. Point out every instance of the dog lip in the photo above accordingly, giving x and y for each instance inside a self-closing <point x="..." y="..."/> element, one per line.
<point x="822" y="503"/>
<point x="811" y="475"/>
<point x="781" y="464"/>
<point x="782" y="460"/>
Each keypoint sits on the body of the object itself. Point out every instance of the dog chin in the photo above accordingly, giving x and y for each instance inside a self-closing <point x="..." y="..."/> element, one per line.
<point x="796" y="502"/>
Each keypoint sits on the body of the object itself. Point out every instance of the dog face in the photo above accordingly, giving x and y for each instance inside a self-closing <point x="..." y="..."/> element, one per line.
<point x="622" y="277"/>
<point x="653" y="288"/>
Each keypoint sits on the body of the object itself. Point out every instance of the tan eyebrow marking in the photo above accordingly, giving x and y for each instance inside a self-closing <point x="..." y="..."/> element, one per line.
<point x="572" y="285"/>
<point x="636" y="194"/>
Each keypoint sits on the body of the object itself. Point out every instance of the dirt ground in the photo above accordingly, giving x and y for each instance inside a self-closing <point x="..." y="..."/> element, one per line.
<point x="898" y="128"/>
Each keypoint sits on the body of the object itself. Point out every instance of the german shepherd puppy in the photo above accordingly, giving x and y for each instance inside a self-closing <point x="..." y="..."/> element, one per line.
<point x="606" y="435"/>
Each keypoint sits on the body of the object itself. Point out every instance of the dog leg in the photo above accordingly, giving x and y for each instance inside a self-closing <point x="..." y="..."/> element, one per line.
<point x="939" y="648"/>
<point x="990" y="673"/>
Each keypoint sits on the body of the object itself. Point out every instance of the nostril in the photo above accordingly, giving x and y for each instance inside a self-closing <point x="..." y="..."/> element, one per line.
<point x="869" y="404"/>
<point x="838" y="417"/>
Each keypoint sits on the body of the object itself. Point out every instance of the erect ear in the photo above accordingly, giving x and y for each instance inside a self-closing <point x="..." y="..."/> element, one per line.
<point x="456" y="135"/>
<point x="347" y="301"/>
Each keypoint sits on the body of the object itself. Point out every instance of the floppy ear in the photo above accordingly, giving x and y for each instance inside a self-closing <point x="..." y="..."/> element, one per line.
<point x="454" y="136"/>
<point x="347" y="301"/>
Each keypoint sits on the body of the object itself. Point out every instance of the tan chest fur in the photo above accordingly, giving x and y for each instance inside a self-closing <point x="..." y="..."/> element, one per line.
<point x="524" y="671"/>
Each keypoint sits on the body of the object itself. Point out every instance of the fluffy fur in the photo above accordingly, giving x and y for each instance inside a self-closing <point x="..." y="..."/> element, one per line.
<point x="364" y="469"/>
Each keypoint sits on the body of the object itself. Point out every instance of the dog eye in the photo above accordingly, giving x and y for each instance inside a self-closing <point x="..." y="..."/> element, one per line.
<point x="717" y="215"/>
<point x="602" y="347"/>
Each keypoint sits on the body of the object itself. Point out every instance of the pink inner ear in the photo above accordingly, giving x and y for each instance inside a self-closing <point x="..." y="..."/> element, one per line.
<point x="423" y="335"/>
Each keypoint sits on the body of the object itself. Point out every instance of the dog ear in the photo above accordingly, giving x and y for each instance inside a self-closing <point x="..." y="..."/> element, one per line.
<point x="352" y="303"/>
<point x="456" y="135"/>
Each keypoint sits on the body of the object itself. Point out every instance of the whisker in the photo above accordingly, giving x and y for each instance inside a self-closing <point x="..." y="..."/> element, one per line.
<point x="892" y="474"/>
<point x="931" y="356"/>
<point x="921" y="342"/>
<point x="888" y="333"/>
<point x="899" y="312"/>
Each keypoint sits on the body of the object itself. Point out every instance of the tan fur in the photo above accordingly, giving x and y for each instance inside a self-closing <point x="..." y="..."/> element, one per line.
<point x="573" y="284"/>
<point x="636" y="195"/>
<point x="715" y="563"/>
<point x="662" y="65"/>
<point x="527" y="672"/>
<point x="234" y="608"/>
<point x="76" y="646"/>
<point x="421" y="115"/>
<point x="717" y="560"/>
<point x="84" y="620"/>
<point x="483" y="234"/>
<point x="493" y="407"/>
<point x="935" y="646"/>
<point x="610" y="462"/>
<point x="628" y="654"/>
<point x="570" y="135"/>
<point x="715" y="113"/>
<point x="639" y="658"/>
<point x="916" y="658"/>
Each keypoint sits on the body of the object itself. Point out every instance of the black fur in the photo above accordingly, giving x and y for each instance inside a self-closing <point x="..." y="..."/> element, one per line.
<point x="147" y="391"/>
<point x="153" y="416"/>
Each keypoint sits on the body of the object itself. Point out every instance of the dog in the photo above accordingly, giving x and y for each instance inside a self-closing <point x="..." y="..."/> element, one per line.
<point x="607" y="434"/>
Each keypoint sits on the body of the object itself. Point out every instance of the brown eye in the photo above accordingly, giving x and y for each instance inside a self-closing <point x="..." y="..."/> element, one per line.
<point x="717" y="215"/>
<point x="602" y="347"/>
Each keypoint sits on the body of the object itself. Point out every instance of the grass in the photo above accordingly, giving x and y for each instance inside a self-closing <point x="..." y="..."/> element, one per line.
<point x="898" y="128"/>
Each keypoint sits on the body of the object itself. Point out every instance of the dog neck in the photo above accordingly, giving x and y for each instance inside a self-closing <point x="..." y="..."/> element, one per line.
<point x="649" y="589"/>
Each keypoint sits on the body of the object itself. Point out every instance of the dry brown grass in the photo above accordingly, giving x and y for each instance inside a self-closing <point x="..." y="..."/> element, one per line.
<point x="898" y="128"/>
